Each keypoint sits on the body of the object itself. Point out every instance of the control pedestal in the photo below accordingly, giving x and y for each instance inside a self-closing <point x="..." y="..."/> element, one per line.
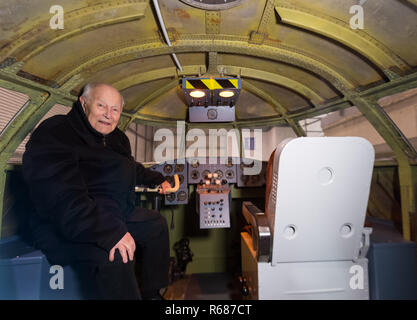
<point x="213" y="204"/>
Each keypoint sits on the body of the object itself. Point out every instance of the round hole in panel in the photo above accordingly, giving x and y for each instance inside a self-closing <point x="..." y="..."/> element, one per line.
<point x="168" y="168"/>
<point x="179" y="167"/>
<point x="170" y="197"/>
<point x="195" y="174"/>
<point x="212" y="114"/>
<point x="219" y="174"/>
<point x="205" y="174"/>
<point x="290" y="232"/>
<point x="230" y="174"/>
<point x="346" y="230"/>
<point x="326" y="176"/>
<point x="181" y="196"/>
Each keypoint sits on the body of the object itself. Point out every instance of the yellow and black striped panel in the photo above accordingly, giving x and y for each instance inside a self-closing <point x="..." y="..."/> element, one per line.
<point x="211" y="84"/>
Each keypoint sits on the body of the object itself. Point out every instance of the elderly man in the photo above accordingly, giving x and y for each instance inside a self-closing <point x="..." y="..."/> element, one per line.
<point x="81" y="177"/>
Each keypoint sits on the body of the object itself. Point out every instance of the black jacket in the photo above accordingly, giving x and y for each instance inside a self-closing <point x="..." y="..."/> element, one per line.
<point x="82" y="182"/>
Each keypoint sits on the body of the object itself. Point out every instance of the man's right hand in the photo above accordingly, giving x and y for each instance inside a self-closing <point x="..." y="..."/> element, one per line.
<point x="126" y="247"/>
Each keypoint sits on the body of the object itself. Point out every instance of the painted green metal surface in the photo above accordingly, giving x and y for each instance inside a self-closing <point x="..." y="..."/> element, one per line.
<point x="77" y="21"/>
<point x="296" y="86"/>
<point x="340" y="31"/>
<point x="99" y="35"/>
<point x="403" y="150"/>
<point x="276" y="105"/>
<point x="201" y="43"/>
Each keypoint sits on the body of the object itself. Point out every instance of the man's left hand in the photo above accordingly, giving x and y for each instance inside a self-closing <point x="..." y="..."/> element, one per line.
<point x="165" y="185"/>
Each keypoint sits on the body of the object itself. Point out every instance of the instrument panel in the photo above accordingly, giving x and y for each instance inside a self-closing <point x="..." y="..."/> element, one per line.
<point x="213" y="179"/>
<point x="200" y="168"/>
<point x="169" y="169"/>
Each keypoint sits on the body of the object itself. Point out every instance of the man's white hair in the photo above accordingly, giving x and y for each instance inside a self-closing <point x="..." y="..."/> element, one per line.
<point x="90" y="86"/>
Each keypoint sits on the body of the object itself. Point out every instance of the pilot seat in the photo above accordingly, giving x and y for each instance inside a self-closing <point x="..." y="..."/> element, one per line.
<point x="310" y="242"/>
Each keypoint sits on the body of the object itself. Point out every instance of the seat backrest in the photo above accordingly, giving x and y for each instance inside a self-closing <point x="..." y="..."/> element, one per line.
<point x="319" y="194"/>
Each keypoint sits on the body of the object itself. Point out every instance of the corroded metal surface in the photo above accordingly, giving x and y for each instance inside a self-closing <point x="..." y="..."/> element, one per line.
<point x="103" y="34"/>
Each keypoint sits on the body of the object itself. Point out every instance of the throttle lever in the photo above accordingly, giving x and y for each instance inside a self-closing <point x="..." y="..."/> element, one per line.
<point x="159" y="188"/>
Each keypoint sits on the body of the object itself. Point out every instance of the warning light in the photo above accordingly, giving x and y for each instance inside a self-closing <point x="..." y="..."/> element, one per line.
<point x="226" y="94"/>
<point x="197" y="94"/>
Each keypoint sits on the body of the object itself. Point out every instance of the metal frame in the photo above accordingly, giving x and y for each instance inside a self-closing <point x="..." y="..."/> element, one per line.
<point x="76" y="22"/>
<point x="340" y="31"/>
<point x="203" y="43"/>
<point x="42" y="98"/>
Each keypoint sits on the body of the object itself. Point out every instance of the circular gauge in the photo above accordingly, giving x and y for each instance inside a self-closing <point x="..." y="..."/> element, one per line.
<point x="195" y="174"/>
<point x="170" y="197"/>
<point x="179" y="167"/>
<point x="195" y="163"/>
<point x="205" y="174"/>
<point x="212" y="114"/>
<point x="181" y="196"/>
<point x="230" y="174"/>
<point x="219" y="174"/>
<point x="168" y="169"/>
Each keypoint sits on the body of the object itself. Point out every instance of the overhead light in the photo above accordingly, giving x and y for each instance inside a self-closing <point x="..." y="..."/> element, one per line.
<point x="211" y="99"/>
<point x="197" y="94"/>
<point x="226" y="94"/>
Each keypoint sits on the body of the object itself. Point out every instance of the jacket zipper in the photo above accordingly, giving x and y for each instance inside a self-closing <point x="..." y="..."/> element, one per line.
<point x="104" y="141"/>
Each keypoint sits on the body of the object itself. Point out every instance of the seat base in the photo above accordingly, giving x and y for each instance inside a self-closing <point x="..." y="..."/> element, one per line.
<point x="338" y="280"/>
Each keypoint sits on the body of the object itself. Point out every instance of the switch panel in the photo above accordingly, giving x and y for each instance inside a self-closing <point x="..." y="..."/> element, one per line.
<point x="213" y="205"/>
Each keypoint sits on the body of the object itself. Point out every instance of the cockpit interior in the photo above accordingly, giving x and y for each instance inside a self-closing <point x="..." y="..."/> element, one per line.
<point x="287" y="130"/>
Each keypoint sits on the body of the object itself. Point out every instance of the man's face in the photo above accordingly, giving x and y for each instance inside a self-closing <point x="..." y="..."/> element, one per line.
<point x="103" y="108"/>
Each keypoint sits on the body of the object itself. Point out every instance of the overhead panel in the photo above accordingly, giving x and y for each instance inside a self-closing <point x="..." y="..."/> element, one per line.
<point x="168" y="107"/>
<point x="392" y="23"/>
<point x="254" y="67"/>
<point x="125" y="70"/>
<point x="135" y="95"/>
<point x="286" y="97"/>
<point x="77" y="21"/>
<point x="281" y="54"/>
<point x="250" y="106"/>
<point x="234" y="38"/>
<point x="340" y="31"/>
<point x="140" y="103"/>
<point x="156" y="74"/>
<point x="275" y="78"/>
<point x="211" y="99"/>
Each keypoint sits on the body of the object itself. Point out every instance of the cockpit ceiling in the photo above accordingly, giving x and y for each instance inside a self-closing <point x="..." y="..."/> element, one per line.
<point x="293" y="56"/>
